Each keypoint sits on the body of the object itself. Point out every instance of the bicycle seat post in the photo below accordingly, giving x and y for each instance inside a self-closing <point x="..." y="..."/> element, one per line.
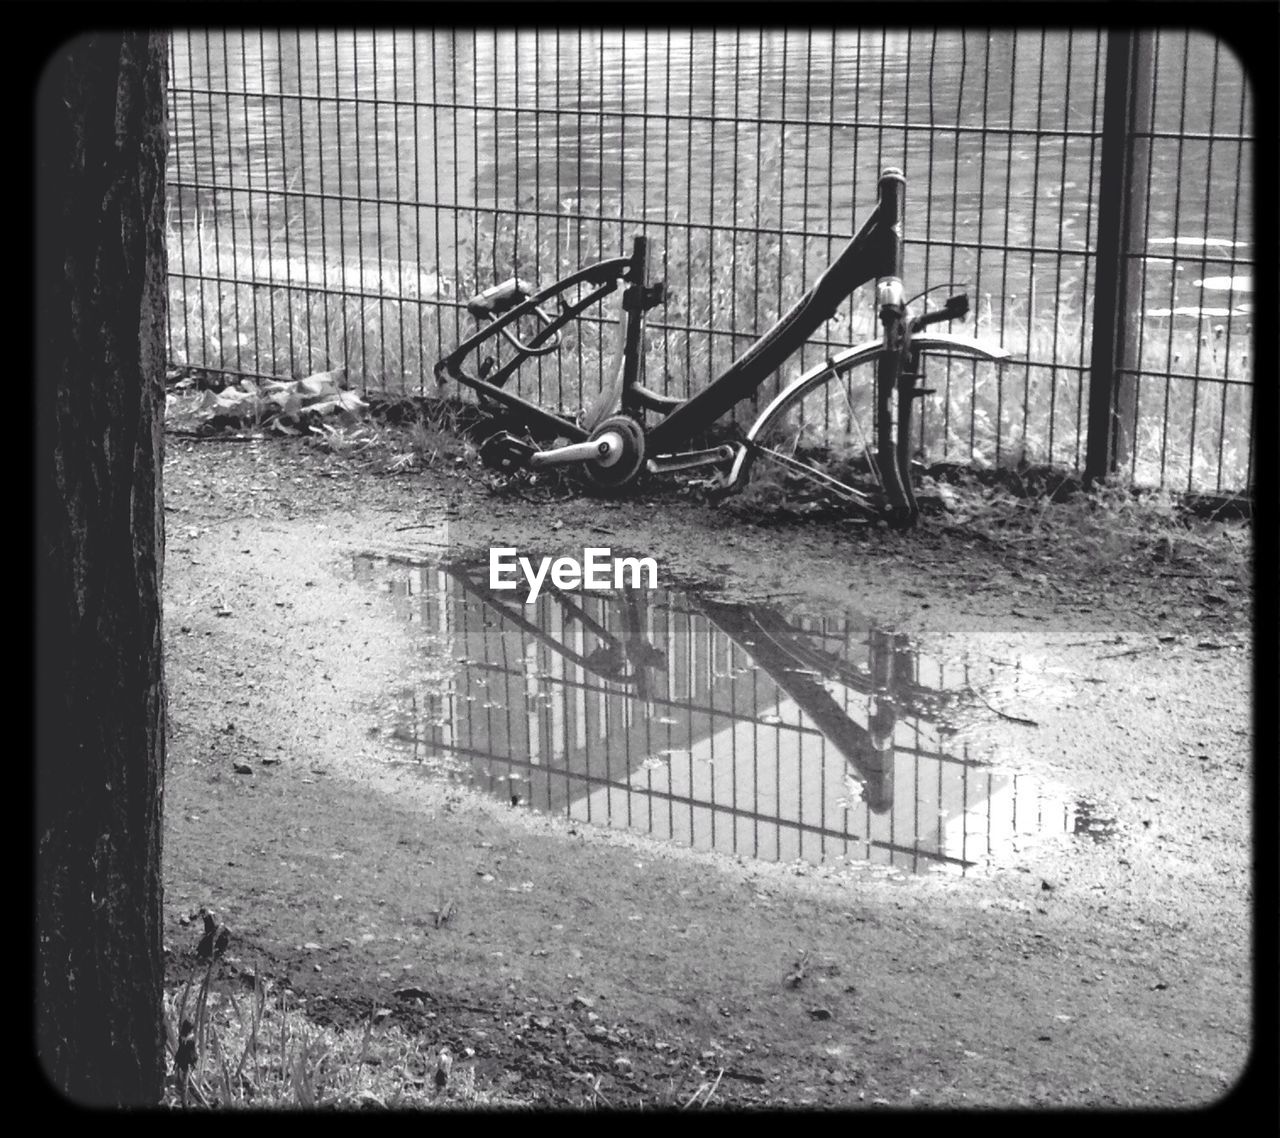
<point x="635" y="299"/>
<point x="624" y="369"/>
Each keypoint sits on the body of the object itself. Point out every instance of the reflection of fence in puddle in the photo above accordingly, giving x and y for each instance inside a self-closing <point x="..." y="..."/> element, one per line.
<point x="720" y="726"/>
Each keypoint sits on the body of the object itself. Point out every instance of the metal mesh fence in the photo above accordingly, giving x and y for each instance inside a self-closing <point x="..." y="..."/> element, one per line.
<point x="1185" y="399"/>
<point x="335" y="198"/>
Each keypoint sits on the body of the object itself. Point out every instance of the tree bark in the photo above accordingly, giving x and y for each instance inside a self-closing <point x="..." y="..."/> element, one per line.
<point x="101" y="314"/>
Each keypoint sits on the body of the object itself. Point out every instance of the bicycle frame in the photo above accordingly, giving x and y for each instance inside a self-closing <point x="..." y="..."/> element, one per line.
<point x="612" y="428"/>
<point x="874" y="252"/>
<point x="505" y="311"/>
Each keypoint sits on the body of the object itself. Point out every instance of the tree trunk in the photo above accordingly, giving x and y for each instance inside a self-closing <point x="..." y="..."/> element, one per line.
<point x="101" y="147"/>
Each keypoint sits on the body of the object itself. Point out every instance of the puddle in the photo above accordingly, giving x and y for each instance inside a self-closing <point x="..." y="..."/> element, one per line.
<point x="740" y="728"/>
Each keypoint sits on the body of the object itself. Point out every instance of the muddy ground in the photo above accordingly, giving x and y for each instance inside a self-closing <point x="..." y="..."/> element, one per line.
<point x="583" y="966"/>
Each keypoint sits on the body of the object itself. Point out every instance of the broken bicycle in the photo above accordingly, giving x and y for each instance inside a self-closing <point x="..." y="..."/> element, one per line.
<point x="613" y="442"/>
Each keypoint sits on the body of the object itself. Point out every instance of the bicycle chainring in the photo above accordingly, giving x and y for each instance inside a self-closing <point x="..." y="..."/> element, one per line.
<point x="625" y="471"/>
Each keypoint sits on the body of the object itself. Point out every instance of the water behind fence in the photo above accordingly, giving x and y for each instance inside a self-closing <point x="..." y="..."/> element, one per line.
<point x="335" y="197"/>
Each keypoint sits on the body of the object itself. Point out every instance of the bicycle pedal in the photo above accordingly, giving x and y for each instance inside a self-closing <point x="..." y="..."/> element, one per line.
<point x="505" y="453"/>
<point x="714" y="489"/>
<point x="920" y="392"/>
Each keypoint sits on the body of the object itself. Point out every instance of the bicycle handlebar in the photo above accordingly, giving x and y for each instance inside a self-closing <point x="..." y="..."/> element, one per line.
<point x="956" y="308"/>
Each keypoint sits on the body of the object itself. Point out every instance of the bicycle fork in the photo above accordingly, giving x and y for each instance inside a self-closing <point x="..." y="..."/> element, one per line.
<point x="895" y="393"/>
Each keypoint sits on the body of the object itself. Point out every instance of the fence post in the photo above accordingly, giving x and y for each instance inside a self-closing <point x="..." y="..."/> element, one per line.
<point x="1122" y="229"/>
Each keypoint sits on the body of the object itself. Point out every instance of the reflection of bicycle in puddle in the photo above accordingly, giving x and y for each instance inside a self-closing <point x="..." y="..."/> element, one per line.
<point x="720" y="725"/>
<point x="624" y="655"/>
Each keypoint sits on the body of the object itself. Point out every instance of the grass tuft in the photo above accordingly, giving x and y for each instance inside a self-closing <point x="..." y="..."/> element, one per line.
<point x="259" y="1050"/>
<point x="1110" y="524"/>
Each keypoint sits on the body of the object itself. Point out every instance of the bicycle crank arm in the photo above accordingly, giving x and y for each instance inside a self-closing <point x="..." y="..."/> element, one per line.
<point x="604" y="451"/>
<point x="669" y="463"/>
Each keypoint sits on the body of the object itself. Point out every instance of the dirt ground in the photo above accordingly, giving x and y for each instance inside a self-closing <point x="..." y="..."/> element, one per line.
<point x="593" y="967"/>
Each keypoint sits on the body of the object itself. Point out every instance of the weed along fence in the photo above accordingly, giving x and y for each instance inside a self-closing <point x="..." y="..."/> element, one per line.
<point x="336" y="197"/>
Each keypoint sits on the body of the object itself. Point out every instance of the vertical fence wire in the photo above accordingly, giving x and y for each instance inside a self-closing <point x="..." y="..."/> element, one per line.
<point x="336" y="196"/>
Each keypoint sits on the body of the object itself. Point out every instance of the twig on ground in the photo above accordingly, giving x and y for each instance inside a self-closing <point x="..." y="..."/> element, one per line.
<point x="198" y="437"/>
<point x="1129" y="652"/>
<point x="1005" y="715"/>
<point x="967" y="529"/>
